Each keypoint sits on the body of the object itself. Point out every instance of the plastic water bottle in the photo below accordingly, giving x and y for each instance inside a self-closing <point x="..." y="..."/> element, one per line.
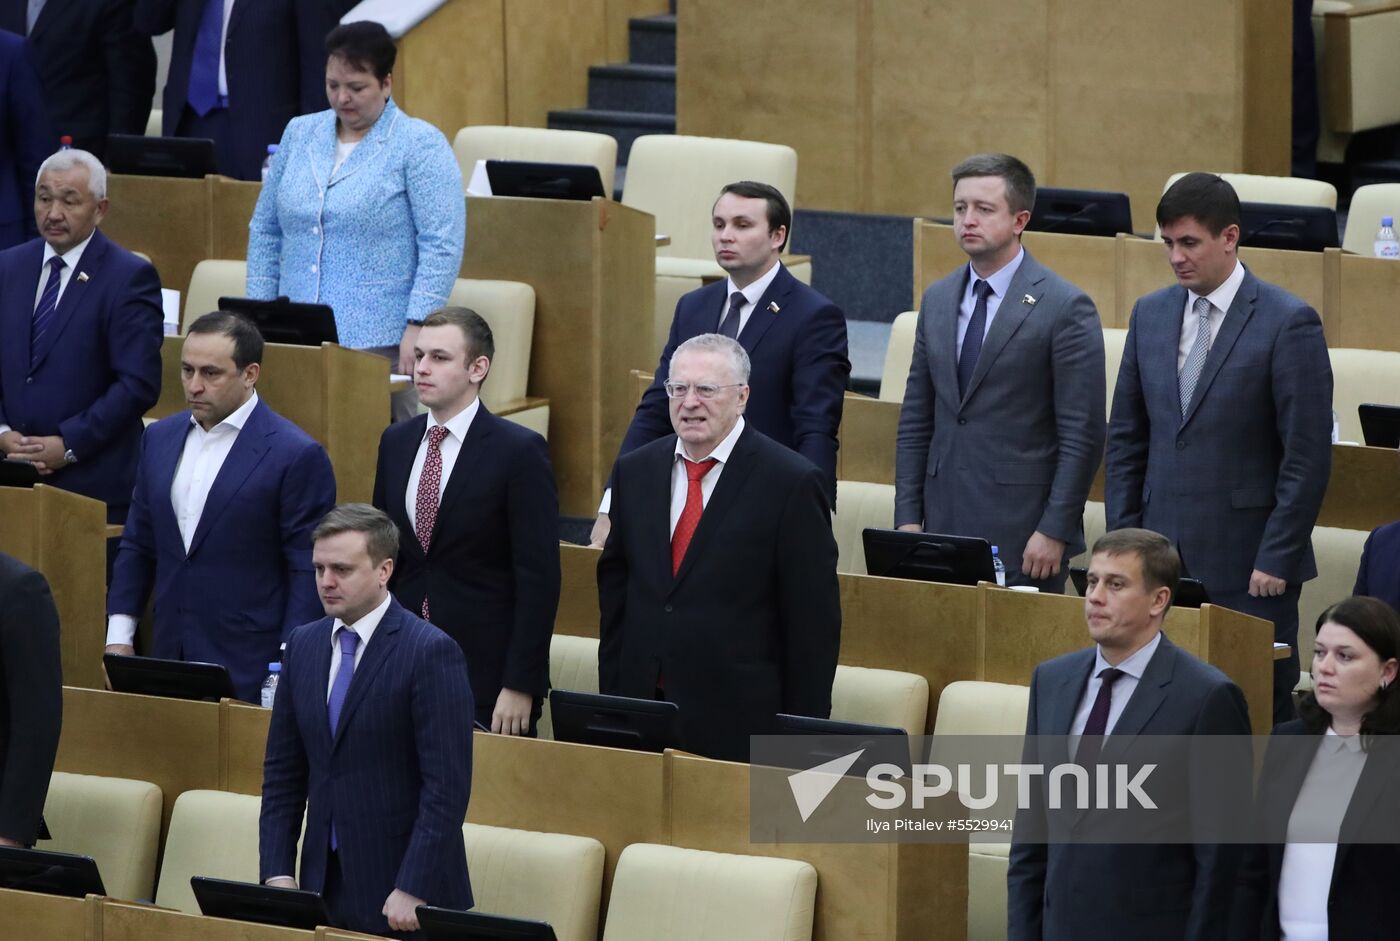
<point x="66" y="143"/>
<point x="269" y="687"/>
<point x="998" y="567"/>
<point x="267" y="161"/>
<point x="1386" y="245"/>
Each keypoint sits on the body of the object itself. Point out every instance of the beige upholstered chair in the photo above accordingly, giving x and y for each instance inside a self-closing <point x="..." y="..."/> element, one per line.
<point x="1338" y="553"/>
<point x="1360" y="376"/>
<point x="212" y="279"/>
<point x="1357" y="70"/>
<point x="859" y="504"/>
<point x="898" y="356"/>
<point x="689" y="895"/>
<point x="551" y="877"/>
<point x="116" y="821"/>
<point x="1368" y="204"/>
<point x="880" y="697"/>
<point x="212" y="833"/>
<point x="573" y="664"/>
<point x="537" y="144"/>
<point x="509" y="307"/>
<point x="1288" y="190"/>
<point x="1113" y="342"/>
<point x="1094" y="525"/>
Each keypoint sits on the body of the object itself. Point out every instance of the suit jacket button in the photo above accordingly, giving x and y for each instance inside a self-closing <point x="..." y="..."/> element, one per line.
<point x="962" y="421"/>
<point x="28" y="380"/>
<point x="668" y="609"/>
<point x="1181" y="445"/>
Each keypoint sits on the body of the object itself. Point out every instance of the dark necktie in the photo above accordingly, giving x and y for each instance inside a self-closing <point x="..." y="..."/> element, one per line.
<point x="45" y="311"/>
<point x="429" y="484"/>
<point x="203" y="91"/>
<point x="694" y="506"/>
<point x="1096" y="726"/>
<point x="972" y="339"/>
<point x="729" y="326"/>
<point x="349" y="640"/>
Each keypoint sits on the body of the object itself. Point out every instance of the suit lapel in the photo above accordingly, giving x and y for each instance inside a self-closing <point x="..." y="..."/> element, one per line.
<point x="397" y="473"/>
<point x="654" y="503"/>
<point x="248" y="450"/>
<point x="1377" y="783"/>
<point x="235" y="15"/>
<point x="17" y="307"/>
<point x="321" y="154"/>
<point x="1013" y="311"/>
<point x="75" y="295"/>
<point x="468" y="456"/>
<point x="381" y="645"/>
<point x="763" y="315"/>
<point x="45" y="21"/>
<point x="943" y="339"/>
<point x="164" y="460"/>
<point x="369" y="145"/>
<point x="318" y="673"/>
<point x="1235" y="319"/>
<point x="736" y="472"/>
<point x="1160" y="345"/>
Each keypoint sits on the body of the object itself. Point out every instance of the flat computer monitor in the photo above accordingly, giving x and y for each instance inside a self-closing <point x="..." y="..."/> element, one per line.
<point x="445" y="924"/>
<point x="1380" y="425"/>
<point x="1190" y="593"/>
<point x="928" y="557"/>
<point x="544" y="180"/>
<point x="18" y="474"/>
<point x="282" y="321"/>
<point x="160" y="156"/>
<point x="832" y="738"/>
<point x="1081" y="212"/>
<point x="614" y="721"/>
<point x="174" y="679"/>
<point x="50" y="873"/>
<point x="263" y="904"/>
<point x="1298" y="228"/>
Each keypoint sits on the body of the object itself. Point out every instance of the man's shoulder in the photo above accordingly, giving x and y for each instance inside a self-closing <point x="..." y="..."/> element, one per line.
<point x="1192" y="675"/>
<point x="649" y="452"/>
<point x="308" y="633"/>
<point x="1385" y="538"/>
<point x="514" y="434"/>
<point x="945" y="288"/>
<point x="291" y="437"/>
<point x="1065" y="664"/>
<point x="776" y="459"/>
<point x="1272" y="296"/>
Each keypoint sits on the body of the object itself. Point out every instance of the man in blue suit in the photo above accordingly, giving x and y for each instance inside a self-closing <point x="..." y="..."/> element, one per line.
<point x="80" y="335"/>
<point x="1379" y="572"/>
<point x="1221" y="432"/>
<point x="25" y="138"/>
<point x="795" y="338"/>
<point x="226" y="496"/>
<point x="371" y="734"/>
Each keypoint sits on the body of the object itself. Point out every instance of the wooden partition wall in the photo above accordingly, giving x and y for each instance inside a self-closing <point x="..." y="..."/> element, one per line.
<point x="63" y="535"/>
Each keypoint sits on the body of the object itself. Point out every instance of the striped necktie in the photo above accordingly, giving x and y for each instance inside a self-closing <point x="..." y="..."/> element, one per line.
<point x="1196" y="359"/>
<point x="48" y="306"/>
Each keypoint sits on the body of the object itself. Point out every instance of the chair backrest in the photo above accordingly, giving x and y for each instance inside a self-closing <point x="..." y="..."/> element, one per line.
<point x="1360" y="376"/>
<point x="551" y="877"/>
<point x="880" y="697"/>
<point x="212" y="279"/>
<point x="974" y="707"/>
<point x="859" y="504"/>
<point x="536" y="144"/>
<point x="1368" y="204"/>
<point x="1113" y="341"/>
<point x="116" y="821"/>
<point x="212" y="833"/>
<point x="573" y="664"/>
<point x="898" y="355"/>
<point x="1094" y="527"/>
<point x="1285" y="190"/>
<point x="1338" y="553"/>
<point x="509" y="308"/>
<point x="677" y="180"/>
<point x="667" y="891"/>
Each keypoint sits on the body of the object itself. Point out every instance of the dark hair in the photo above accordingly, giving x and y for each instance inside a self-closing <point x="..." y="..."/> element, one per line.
<point x="779" y="212"/>
<point x="1204" y="197"/>
<point x="474" y="327"/>
<point x="381" y="533"/>
<point x="1161" y="566"/>
<point x="365" y="45"/>
<point x="247" y="339"/>
<point x="1019" y="180"/>
<point x="1378" y="627"/>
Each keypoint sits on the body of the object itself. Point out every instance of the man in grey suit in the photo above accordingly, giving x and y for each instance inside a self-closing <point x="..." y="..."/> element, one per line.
<point x="1220" y="437"/>
<point x="1134" y="682"/>
<point x="1002" y="426"/>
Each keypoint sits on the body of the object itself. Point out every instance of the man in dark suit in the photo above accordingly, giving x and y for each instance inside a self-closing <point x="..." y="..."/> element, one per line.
<point x="239" y="71"/>
<point x="717" y="586"/>
<point x="1378" y="575"/>
<point x="1133" y="683"/>
<point x="80" y="335"/>
<point x="25" y="139"/>
<point x="1002" y="425"/>
<point x="31" y="700"/>
<point x="370" y="736"/>
<point x="474" y="498"/>
<point x="226" y="496"/>
<point x="1221" y="432"/>
<point x="795" y="338"/>
<point x="99" y="74"/>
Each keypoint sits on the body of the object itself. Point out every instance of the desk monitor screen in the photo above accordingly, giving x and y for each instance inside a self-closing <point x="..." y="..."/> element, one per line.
<point x="50" y="873"/>
<point x="1380" y="425"/>
<point x="174" y="679"/>
<point x="1299" y="228"/>
<point x="160" y="156"/>
<point x="263" y="904"/>
<point x="1190" y="593"/>
<point x="879" y="744"/>
<point x="614" y="721"/>
<point x="281" y="321"/>
<point x="18" y="474"/>
<point x="928" y="557"/>
<point x="544" y="180"/>
<point x="444" y="924"/>
<point x="1081" y="212"/>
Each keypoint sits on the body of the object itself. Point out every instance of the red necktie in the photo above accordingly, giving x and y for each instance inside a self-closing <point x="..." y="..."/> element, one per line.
<point x="694" y="506"/>
<point x="429" y="483"/>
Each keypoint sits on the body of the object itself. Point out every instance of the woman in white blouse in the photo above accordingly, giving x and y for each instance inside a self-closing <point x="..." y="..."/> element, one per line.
<point x="1329" y="793"/>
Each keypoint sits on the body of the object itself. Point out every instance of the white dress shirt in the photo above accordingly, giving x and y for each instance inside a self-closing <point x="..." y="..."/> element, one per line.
<point x="451" y="446"/>
<point x="1123" y="687"/>
<point x="343" y="149"/>
<point x="1220" y="300"/>
<point x="752" y="294"/>
<point x="1000" y="282"/>
<point x="365" y="628"/>
<point x="680" y="481"/>
<point x="223" y="49"/>
<point x="200" y="462"/>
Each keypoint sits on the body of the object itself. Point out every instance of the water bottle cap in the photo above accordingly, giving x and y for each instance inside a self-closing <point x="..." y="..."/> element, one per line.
<point x="994" y="550"/>
<point x="1387" y="220"/>
<point x="274" y="668"/>
<point x="271" y="149"/>
<point x="66" y="139"/>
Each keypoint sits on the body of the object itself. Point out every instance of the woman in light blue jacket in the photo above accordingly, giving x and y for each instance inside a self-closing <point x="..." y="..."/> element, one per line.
<point x="362" y="208"/>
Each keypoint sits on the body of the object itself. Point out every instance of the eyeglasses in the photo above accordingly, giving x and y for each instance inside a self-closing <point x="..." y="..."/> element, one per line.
<point x="679" y="390"/>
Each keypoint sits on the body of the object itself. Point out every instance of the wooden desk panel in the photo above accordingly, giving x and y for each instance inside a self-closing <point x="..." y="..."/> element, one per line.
<point x="130" y="922"/>
<point x="1364" y="489"/>
<point x="578" y="595"/>
<point x="29" y="916"/>
<point x="1367" y="315"/>
<point x="166" y="219"/>
<point x="242" y="745"/>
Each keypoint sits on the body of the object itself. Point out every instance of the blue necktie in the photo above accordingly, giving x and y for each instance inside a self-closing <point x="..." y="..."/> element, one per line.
<point x="203" y="91"/>
<point x="972" y="339"/>
<point x="349" y="640"/>
<point x="45" y="311"/>
<point x="729" y="327"/>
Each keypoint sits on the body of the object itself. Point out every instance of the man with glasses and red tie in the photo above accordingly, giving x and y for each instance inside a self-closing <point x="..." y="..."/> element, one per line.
<point x="718" y="586"/>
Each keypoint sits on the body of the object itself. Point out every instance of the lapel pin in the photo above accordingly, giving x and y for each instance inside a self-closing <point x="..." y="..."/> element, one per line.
<point x="773" y="306"/>
<point x="82" y="276"/>
<point x="1027" y="299"/>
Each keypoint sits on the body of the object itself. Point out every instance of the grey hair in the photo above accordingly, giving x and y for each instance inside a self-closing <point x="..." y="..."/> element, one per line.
<point x="717" y="343"/>
<point x="68" y="159"/>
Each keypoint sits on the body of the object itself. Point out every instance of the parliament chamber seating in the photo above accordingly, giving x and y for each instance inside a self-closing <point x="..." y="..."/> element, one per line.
<point x="859" y="505"/>
<point x="899" y="355"/>
<point x="212" y="833"/>
<point x="212" y="279"/>
<point x="573" y="664"/>
<point x="551" y="877"/>
<point x="537" y="145"/>
<point x="1358" y="377"/>
<point x="116" y="821"/>
<point x="1338" y="553"/>
<point x="1286" y="190"/>
<point x="1368" y="205"/>
<point x="1355" y="42"/>
<point x="509" y="308"/>
<point x="880" y="697"/>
